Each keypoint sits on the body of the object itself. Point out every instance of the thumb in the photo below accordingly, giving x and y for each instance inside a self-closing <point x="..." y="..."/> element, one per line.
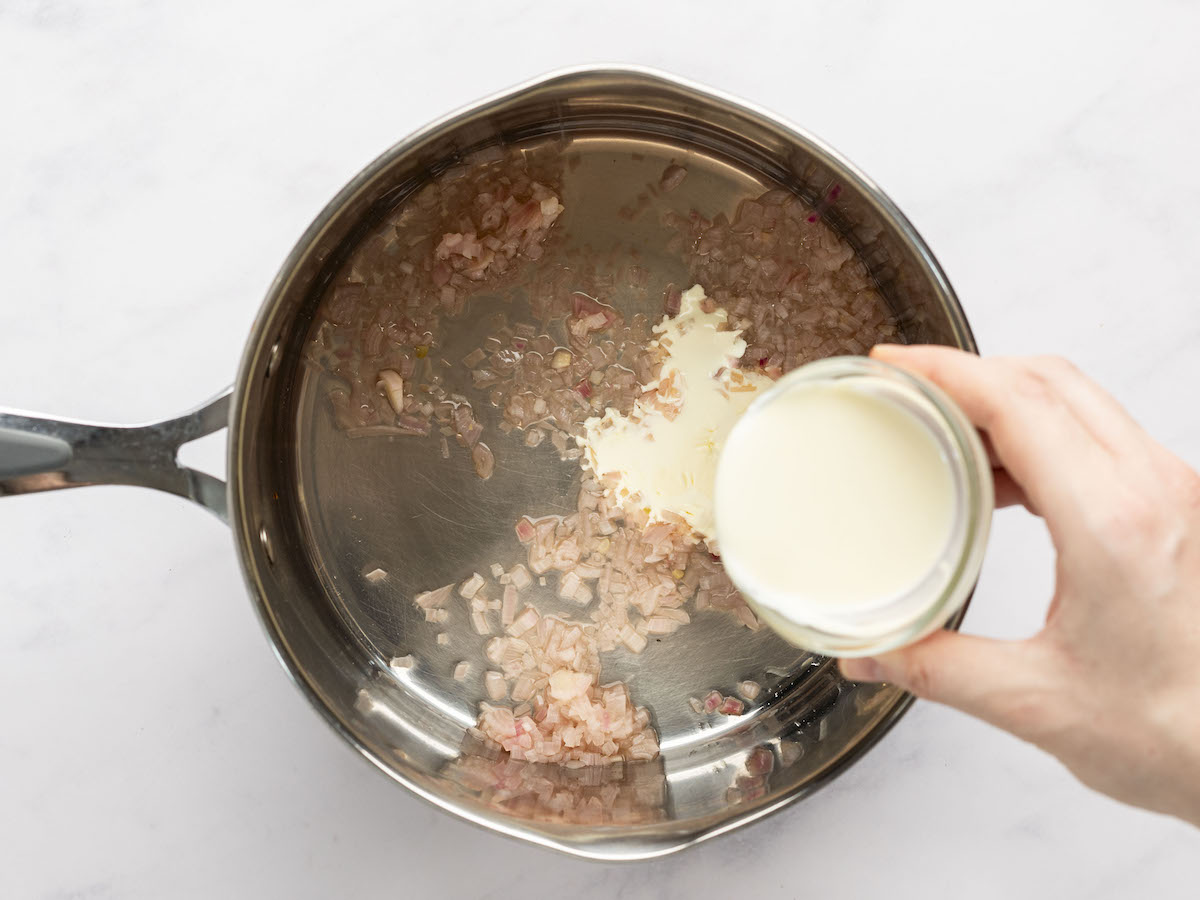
<point x="1002" y="682"/>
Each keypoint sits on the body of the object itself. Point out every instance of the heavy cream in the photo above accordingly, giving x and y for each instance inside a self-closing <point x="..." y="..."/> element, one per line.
<point x="832" y="499"/>
<point x="664" y="453"/>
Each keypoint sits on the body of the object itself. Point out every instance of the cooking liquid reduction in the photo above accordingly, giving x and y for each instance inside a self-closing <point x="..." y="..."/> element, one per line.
<point x="832" y="500"/>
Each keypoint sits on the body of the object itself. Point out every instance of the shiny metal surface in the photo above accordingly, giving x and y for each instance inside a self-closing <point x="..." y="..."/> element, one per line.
<point x="315" y="509"/>
<point x="312" y="509"/>
<point x="43" y="454"/>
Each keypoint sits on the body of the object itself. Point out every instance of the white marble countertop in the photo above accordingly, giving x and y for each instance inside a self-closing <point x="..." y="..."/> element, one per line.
<point x="161" y="158"/>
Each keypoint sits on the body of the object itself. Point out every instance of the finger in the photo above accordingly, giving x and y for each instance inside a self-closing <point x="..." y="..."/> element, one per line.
<point x="1098" y="411"/>
<point x="1037" y="438"/>
<point x="1001" y="682"/>
<point x="1008" y="492"/>
<point x="991" y="451"/>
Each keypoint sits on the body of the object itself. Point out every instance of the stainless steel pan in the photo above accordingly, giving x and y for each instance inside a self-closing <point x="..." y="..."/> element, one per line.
<point x="312" y="509"/>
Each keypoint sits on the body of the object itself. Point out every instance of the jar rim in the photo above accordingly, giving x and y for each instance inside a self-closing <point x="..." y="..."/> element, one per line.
<point x="974" y="500"/>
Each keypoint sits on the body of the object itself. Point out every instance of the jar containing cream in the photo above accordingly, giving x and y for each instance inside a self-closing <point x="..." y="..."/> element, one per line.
<point x="853" y="501"/>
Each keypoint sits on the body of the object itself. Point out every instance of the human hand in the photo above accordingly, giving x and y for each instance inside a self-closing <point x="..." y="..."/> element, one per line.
<point x="1111" y="684"/>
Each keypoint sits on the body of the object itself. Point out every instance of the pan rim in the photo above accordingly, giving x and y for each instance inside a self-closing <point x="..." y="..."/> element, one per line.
<point x="624" y="843"/>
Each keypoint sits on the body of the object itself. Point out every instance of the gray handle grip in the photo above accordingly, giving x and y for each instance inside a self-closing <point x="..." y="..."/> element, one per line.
<point x="43" y="454"/>
<point x="27" y="453"/>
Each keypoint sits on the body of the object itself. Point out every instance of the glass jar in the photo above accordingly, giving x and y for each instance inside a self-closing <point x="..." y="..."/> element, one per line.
<point x="926" y="606"/>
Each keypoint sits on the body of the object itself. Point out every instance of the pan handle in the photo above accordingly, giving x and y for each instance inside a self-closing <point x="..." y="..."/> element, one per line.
<point x="40" y="454"/>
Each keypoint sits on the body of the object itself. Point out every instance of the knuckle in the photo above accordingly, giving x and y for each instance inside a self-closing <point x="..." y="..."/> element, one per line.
<point x="1184" y="483"/>
<point x="1137" y="536"/>
<point x="989" y="412"/>
<point x="1030" y="381"/>
<point x="1124" y="520"/>
<point x="920" y="677"/>
<point x="988" y="399"/>
<point x="1191" y="493"/>
<point x="1132" y="514"/>
<point x="1055" y="366"/>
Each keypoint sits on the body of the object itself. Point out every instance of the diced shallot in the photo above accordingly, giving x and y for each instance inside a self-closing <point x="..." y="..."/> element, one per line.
<point x="526" y="620"/>
<point x="760" y="761"/>
<point x="747" y="617"/>
<point x="479" y="622"/>
<point x="632" y="639"/>
<point x="789" y="752"/>
<point x="496" y="686"/>
<point x="661" y="625"/>
<point x="672" y="177"/>
<point x="520" y="576"/>
<point x="471" y="586"/>
<point x="392" y="385"/>
<point x="732" y="706"/>
<point x="568" y="586"/>
<point x="567" y="685"/>
<point x="484" y="460"/>
<point x="433" y="599"/>
<point x="508" y="606"/>
<point x="523" y="688"/>
<point x="749" y="689"/>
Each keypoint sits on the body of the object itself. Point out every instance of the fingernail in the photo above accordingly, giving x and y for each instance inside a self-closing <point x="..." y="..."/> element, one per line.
<point x="883" y="349"/>
<point x="862" y="669"/>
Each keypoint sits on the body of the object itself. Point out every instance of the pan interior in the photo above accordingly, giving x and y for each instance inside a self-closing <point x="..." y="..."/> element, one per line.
<point x="395" y="504"/>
